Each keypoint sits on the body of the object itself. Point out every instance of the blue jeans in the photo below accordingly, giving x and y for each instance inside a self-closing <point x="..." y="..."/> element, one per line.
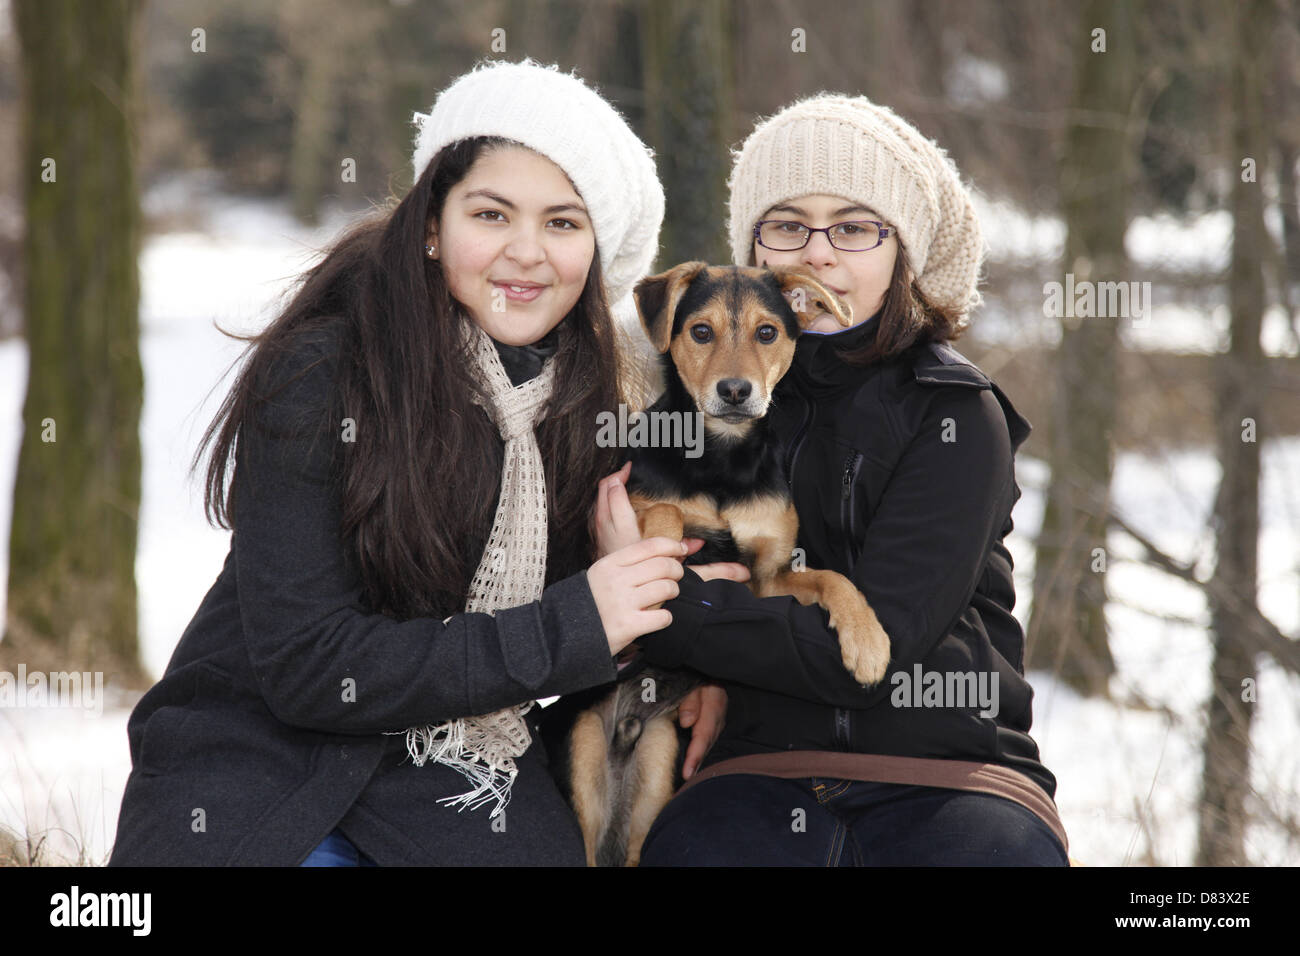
<point x="753" y="820"/>
<point x="337" y="850"/>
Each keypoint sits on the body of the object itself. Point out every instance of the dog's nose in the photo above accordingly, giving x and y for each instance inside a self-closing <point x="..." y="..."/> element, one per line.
<point x="734" y="391"/>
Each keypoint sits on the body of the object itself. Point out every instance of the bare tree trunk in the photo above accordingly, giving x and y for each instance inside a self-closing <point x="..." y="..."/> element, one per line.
<point x="688" y="96"/>
<point x="1288" y="258"/>
<point x="1067" y="627"/>
<point x="338" y="55"/>
<point x="1240" y="383"/>
<point x="72" y="595"/>
<point x="313" y="126"/>
<point x="1285" y="87"/>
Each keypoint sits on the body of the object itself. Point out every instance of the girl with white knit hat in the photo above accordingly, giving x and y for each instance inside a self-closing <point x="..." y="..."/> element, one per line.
<point x="899" y="454"/>
<point x="412" y="565"/>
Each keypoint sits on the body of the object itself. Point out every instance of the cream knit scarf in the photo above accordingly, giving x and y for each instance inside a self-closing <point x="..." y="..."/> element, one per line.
<point x="511" y="572"/>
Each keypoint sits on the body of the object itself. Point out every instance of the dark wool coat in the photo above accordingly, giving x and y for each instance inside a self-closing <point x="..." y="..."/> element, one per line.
<point x="249" y="751"/>
<point x="918" y="523"/>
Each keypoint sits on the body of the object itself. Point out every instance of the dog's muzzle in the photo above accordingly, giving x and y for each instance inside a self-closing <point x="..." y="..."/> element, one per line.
<point x="734" y="401"/>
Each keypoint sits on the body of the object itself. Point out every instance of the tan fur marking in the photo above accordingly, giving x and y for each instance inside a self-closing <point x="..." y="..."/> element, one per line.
<point x="655" y="765"/>
<point x="589" y="777"/>
<point x="765" y="526"/>
<point x="864" y="645"/>
<point x="699" y="512"/>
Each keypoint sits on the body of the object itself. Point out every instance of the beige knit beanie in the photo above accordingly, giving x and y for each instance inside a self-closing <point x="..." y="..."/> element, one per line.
<point x="850" y="147"/>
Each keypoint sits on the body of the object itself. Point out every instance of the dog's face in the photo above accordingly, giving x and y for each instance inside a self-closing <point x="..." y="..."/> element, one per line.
<point x="731" y="332"/>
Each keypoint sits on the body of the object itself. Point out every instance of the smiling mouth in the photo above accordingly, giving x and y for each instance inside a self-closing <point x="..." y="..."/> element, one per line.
<point x="522" y="291"/>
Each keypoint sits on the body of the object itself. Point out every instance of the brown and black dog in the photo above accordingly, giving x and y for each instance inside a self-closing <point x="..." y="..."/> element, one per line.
<point x="726" y="335"/>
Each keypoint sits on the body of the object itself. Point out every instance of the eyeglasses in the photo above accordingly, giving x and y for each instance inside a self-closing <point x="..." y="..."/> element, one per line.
<point x="859" y="235"/>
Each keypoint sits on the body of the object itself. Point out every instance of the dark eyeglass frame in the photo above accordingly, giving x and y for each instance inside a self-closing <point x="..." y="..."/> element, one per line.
<point x="883" y="232"/>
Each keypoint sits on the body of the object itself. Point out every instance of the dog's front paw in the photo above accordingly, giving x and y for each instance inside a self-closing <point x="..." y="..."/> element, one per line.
<point x="864" y="645"/>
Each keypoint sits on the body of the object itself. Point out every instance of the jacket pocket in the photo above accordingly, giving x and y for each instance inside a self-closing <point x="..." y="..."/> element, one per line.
<point x="163" y="733"/>
<point x="168" y="735"/>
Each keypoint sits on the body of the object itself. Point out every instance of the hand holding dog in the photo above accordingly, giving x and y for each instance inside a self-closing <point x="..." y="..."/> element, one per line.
<point x="627" y="584"/>
<point x="614" y="526"/>
<point x="704" y="710"/>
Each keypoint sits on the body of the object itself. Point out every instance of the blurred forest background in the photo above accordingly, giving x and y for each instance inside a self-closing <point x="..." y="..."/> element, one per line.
<point x="1111" y="140"/>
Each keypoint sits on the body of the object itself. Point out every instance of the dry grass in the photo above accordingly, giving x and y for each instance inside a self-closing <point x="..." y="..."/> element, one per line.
<point x="19" y="849"/>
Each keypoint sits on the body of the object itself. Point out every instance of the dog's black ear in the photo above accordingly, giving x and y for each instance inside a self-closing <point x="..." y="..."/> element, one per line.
<point x="657" y="298"/>
<point x="809" y="298"/>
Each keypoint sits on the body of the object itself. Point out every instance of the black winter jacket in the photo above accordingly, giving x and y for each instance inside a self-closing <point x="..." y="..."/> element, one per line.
<point x="247" y="751"/>
<point x="917" y="522"/>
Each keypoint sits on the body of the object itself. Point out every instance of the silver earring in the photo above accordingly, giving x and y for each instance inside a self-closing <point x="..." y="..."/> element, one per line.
<point x="429" y="251"/>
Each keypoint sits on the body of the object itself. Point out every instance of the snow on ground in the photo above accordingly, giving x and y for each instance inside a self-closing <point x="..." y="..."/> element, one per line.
<point x="1128" y="772"/>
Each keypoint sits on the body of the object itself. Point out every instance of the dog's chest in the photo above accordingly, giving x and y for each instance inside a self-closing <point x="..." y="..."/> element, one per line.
<point x="736" y="530"/>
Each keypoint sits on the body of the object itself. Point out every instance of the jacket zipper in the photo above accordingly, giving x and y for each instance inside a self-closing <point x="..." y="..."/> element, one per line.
<point x="795" y="445"/>
<point x="851" y="465"/>
<point x="847" y="511"/>
<point x="842" y="728"/>
<point x="841" y="737"/>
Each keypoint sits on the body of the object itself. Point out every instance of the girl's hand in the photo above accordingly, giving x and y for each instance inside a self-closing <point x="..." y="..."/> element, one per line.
<point x="727" y="570"/>
<point x="613" y="522"/>
<point x="627" y="583"/>
<point x="614" y="526"/>
<point x="704" y="708"/>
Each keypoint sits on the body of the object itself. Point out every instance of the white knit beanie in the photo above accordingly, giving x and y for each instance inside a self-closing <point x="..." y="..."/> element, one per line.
<point x="850" y="147"/>
<point x="559" y="116"/>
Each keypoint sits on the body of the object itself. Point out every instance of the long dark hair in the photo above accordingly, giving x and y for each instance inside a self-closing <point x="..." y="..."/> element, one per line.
<point x="419" y="481"/>
<point x="908" y="320"/>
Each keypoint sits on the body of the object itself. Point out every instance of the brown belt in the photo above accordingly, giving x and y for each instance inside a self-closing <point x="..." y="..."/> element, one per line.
<point x="954" y="774"/>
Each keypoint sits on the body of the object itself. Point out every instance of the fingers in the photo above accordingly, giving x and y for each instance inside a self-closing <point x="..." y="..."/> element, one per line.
<point x="621" y="513"/>
<point x="689" y="708"/>
<point x="653" y="620"/>
<point x="619" y="477"/>
<point x="605" y="484"/>
<point x="657" y="591"/>
<point x="655" y="569"/>
<point x="646" y="548"/>
<point x="725" y="570"/>
<point x="711" y="702"/>
<point x="601" y="513"/>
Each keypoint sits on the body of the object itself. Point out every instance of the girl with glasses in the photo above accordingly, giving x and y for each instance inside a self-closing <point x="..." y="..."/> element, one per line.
<point x="899" y="454"/>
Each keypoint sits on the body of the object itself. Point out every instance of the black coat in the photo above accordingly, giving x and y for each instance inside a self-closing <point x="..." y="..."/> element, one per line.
<point x="247" y="752"/>
<point x="917" y="523"/>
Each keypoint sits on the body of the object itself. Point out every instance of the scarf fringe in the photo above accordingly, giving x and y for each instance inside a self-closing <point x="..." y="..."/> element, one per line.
<point x="480" y="756"/>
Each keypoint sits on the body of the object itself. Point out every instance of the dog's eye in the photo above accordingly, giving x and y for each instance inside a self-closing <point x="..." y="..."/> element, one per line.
<point x="701" y="333"/>
<point x="766" y="333"/>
